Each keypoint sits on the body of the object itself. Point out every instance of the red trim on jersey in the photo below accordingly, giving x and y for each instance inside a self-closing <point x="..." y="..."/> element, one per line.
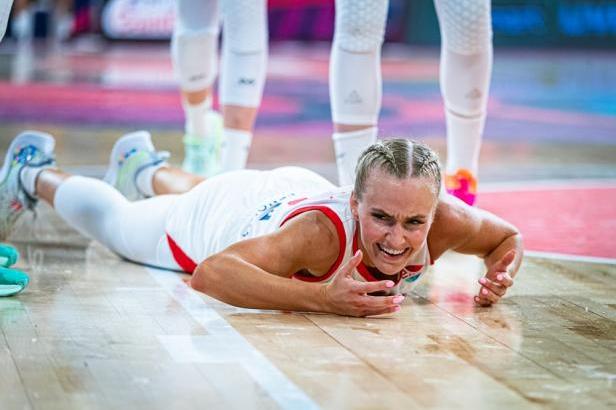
<point x="341" y="240"/>
<point x="183" y="260"/>
<point x="365" y="273"/>
<point x="297" y="201"/>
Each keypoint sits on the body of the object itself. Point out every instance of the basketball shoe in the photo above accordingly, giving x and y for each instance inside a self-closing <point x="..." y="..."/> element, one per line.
<point x="131" y="155"/>
<point x="30" y="150"/>
<point x="462" y="185"/>
<point x="202" y="155"/>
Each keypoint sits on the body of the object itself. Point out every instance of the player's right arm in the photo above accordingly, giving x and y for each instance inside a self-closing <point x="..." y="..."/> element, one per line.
<point x="256" y="273"/>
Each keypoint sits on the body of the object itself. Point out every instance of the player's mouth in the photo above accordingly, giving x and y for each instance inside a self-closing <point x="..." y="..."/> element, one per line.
<point x="392" y="253"/>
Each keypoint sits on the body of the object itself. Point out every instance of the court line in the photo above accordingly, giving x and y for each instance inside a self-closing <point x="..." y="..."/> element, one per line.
<point x="569" y="257"/>
<point x="547" y="185"/>
<point x="282" y="390"/>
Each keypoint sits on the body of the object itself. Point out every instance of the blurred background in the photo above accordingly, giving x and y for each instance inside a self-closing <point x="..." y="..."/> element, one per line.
<point x="90" y="70"/>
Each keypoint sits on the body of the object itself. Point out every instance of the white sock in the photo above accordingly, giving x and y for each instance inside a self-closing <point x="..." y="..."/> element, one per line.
<point x="349" y="147"/>
<point x="235" y="149"/>
<point x="28" y="178"/>
<point x="463" y="142"/>
<point x="196" y="123"/>
<point x="145" y="179"/>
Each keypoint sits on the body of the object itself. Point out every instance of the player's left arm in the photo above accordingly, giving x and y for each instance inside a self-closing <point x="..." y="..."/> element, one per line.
<point x="471" y="230"/>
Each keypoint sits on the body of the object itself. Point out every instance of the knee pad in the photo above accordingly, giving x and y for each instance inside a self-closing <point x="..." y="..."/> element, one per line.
<point x="466" y="55"/>
<point x="465" y="25"/>
<point x="194" y="44"/>
<point x="355" y="84"/>
<point x="360" y="25"/>
<point x="244" y="56"/>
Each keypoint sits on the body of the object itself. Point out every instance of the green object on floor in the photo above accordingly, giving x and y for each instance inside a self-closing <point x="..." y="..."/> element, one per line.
<point x="8" y="255"/>
<point x="12" y="281"/>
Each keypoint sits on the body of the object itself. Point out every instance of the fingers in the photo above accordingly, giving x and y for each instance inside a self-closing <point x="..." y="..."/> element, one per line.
<point x="505" y="261"/>
<point x="494" y="287"/>
<point x="483" y="302"/>
<point x="346" y="270"/>
<point x="385" y="311"/>
<point x="371" y="287"/>
<point x="377" y="305"/>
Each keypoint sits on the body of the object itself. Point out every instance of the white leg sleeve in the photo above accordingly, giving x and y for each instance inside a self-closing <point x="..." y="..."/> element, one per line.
<point x="244" y="52"/>
<point x="466" y="66"/>
<point x="5" y="12"/>
<point x="349" y="146"/>
<point x="355" y="62"/>
<point x="194" y="43"/>
<point x="134" y="230"/>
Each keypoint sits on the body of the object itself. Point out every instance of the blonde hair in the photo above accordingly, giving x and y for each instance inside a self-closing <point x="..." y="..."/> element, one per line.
<point x="401" y="158"/>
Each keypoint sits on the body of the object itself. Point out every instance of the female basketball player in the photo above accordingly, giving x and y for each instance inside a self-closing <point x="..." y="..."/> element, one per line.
<point x="243" y="235"/>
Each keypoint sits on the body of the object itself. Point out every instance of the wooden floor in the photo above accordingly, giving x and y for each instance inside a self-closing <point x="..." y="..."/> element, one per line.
<point x="93" y="331"/>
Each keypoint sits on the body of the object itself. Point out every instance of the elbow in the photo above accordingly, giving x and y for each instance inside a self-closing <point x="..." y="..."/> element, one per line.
<point x="205" y="278"/>
<point x="212" y="278"/>
<point x="519" y="240"/>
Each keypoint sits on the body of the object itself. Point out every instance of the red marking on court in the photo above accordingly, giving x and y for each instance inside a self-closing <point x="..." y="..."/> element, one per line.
<point x="576" y="221"/>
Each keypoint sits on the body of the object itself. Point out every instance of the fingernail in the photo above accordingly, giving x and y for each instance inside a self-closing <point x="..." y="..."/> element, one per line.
<point x="398" y="299"/>
<point x="397" y="309"/>
<point x="389" y="284"/>
<point x="499" y="277"/>
<point x="482" y="280"/>
<point x="484" y="291"/>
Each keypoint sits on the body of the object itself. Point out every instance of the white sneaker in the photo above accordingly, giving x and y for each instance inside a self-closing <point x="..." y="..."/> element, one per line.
<point x="29" y="149"/>
<point x="130" y="155"/>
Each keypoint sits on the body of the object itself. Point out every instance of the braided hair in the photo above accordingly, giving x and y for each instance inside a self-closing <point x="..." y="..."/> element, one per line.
<point x="401" y="158"/>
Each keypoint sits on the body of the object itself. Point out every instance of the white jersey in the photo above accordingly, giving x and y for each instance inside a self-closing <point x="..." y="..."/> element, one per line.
<point x="246" y="204"/>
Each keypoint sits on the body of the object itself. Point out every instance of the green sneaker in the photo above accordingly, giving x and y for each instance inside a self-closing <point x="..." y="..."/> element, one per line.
<point x="202" y="155"/>
<point x="12" y="281"/>
<point x="8" y="255"/>
<point x="130" y="155"/>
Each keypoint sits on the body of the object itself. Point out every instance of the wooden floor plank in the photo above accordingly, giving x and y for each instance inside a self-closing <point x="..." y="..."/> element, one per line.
<point x="93" y="331"/>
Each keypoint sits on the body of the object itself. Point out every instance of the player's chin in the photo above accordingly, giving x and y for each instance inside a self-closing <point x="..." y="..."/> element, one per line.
<point x="389" y="268"/>
<point x="391" y="264"/>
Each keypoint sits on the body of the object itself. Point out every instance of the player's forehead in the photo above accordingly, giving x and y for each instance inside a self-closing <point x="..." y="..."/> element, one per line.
<point x="398" y="196"/>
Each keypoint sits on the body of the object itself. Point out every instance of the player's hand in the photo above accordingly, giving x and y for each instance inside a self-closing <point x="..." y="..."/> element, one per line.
<point x="347" y="296"/>
<point x="496" y="281"/>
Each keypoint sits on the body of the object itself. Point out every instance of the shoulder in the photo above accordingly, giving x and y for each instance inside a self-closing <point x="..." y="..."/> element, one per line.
<point x="454" y="222"/>
<point x="314" y="238"/>
<point x="466" y="229"/>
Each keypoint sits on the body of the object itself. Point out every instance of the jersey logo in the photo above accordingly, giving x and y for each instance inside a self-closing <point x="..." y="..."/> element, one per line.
<point x="265" y="212"/>
<point x="411" y="273"/>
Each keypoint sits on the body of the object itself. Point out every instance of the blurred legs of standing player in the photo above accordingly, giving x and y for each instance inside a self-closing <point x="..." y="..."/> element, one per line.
<point x="212" y="144"/>
<point x="465" y="71"/>
<point x="355" y="80"/>
<point x="466" y="67"/>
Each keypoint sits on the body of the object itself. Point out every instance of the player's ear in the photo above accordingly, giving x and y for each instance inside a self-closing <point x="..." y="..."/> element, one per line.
<point x="354" y="202"/>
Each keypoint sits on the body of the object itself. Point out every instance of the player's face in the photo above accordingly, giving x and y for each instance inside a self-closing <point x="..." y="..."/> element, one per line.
<point x="394" y="217"/>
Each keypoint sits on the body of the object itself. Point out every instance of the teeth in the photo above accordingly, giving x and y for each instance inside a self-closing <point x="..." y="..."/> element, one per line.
<point x="392" y="251"/>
